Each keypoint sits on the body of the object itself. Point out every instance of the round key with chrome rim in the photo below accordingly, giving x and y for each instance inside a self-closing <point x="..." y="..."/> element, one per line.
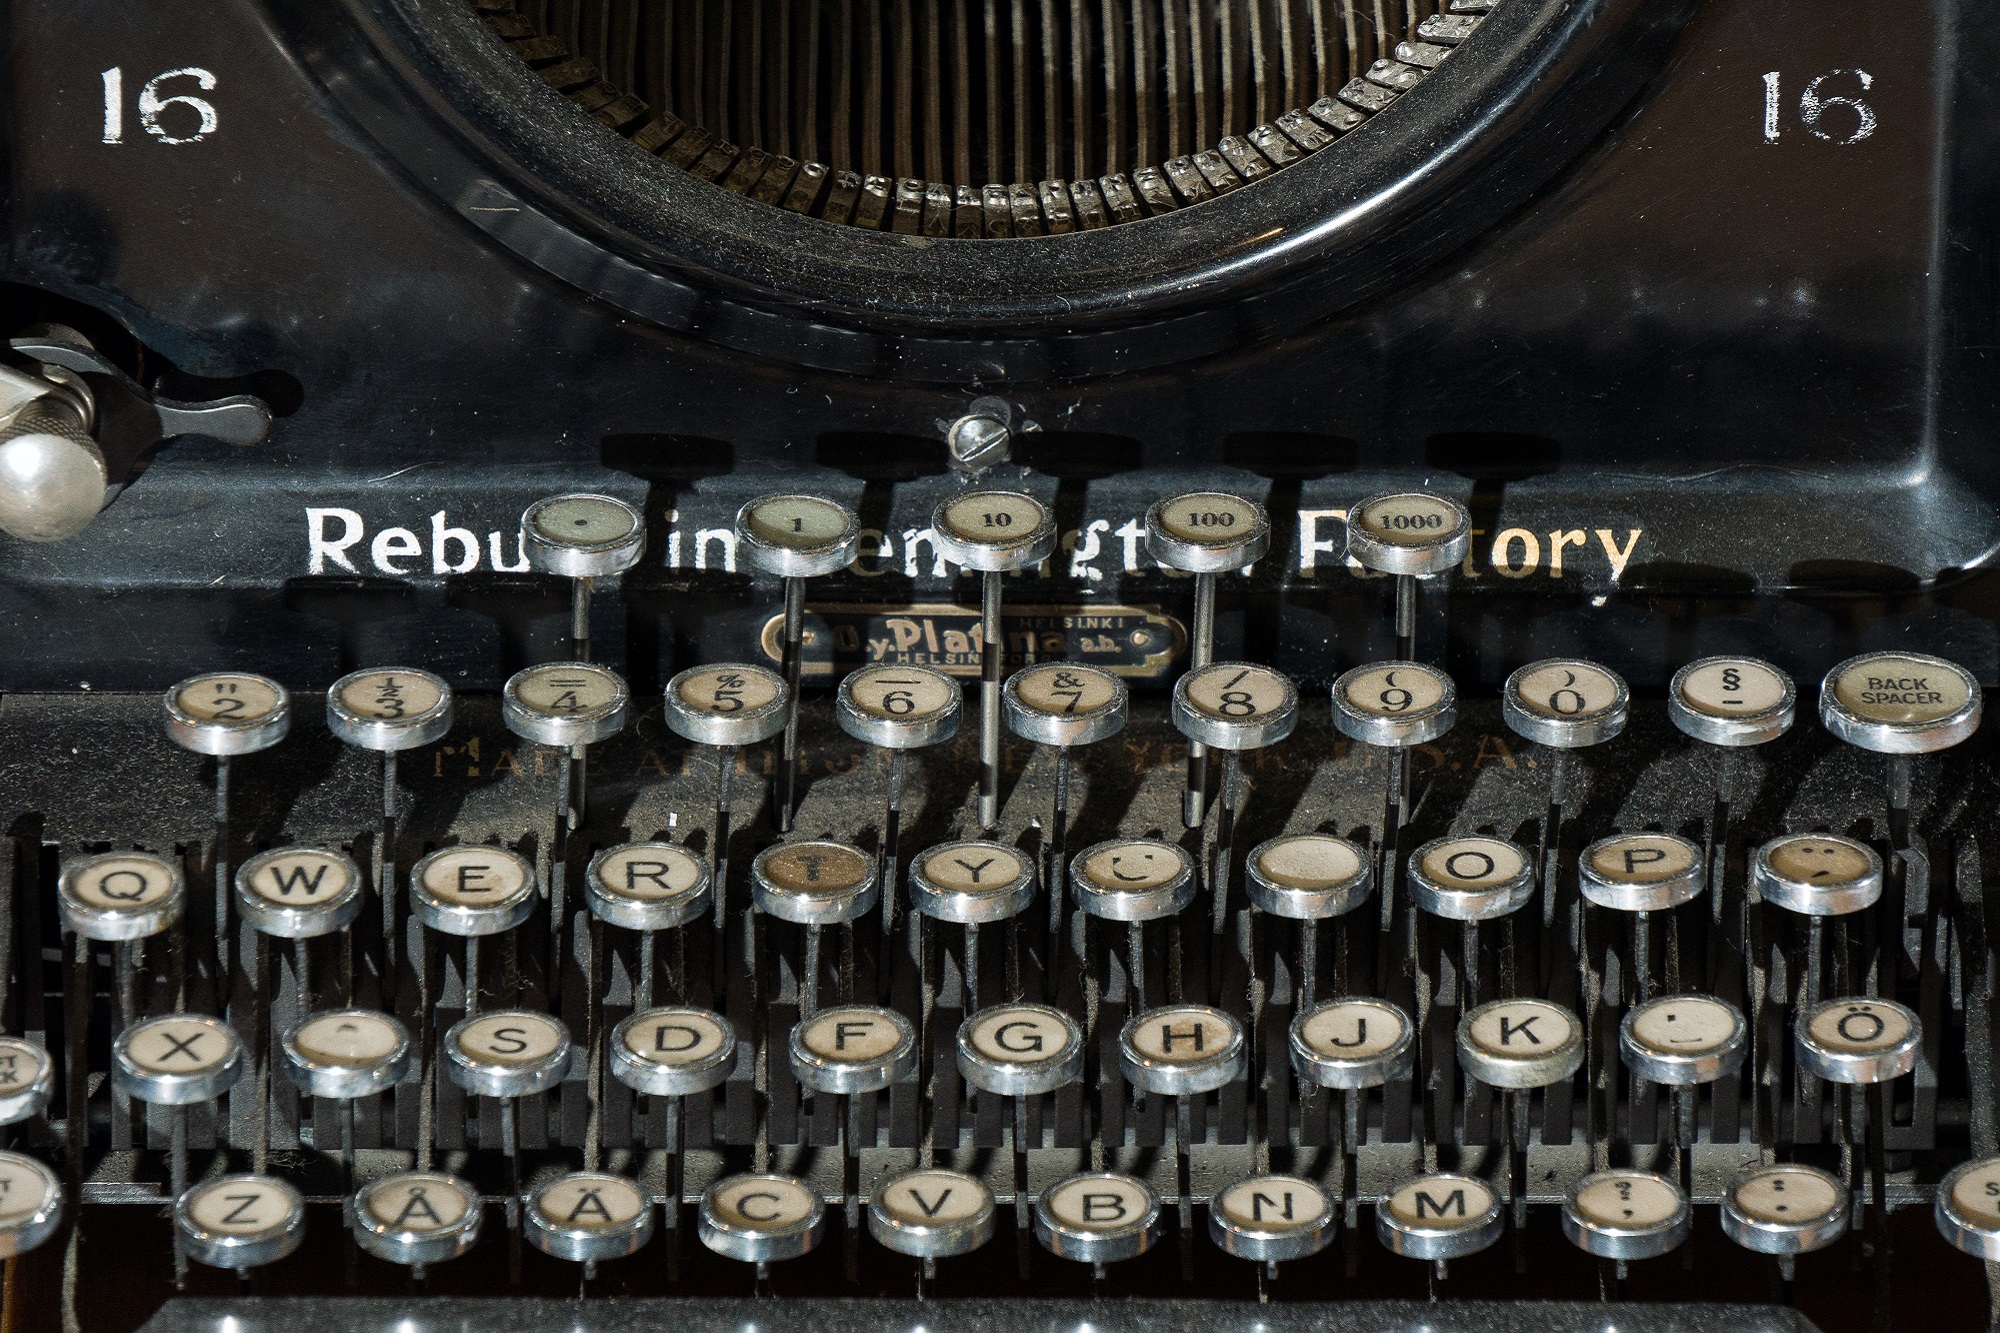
<point x="1785" y="1210"/>
<point x="673" y="1052"/>
<point x="1063" y="705"/>
<point x="27" y="1080"/>
<point x="993" y="534"/>
<point x="1232" y="707"/>
<point x="224" y="714"/>
<point x="932" y="1213"/>
<point x="1642" y="873"/>
<point x="472" y="891"/>
<point x="1733" y="704"/>
<point x="508" y="1054"/>
<point x="1683" y="1041"/>
<point x="176" y="1060"/>
<point x="813" y="884"/>
<point x="299" y="893"/>
<point x="1520" y="1044"/>
<point x="1967" y="1211"/>
<point x="1020" y="1051"/>
<point x="389" y="710"/>
<point x="1859" y="1039"/>
<point x="1817" y="874"/>
<point x="896" y="709"/>
<point x="727" y="706"/>
<point x="588" y="1217"/>
<point x="1900" y="705"/>
<point x="1271" y="1219"/>
<point x="1205" y="533"/>
<point x="1470" y="880"/>
<point x="796" y="537"/>
<point x="34" y="1204"/>
<point x="647" y="887"/>
<point x="1412" y="535"/>
<point x="568" y="706"/>
<point x="416" y="1218"/>
<point x="1625" y="1214"/>
<point x="1182" y="1051"/>
<point x="1395" y="706"/>
<point x="1568" y="705"/>
<point x="1098" y="1218"/>
<point x="121" y="898"/>
<point x="1134" y="880"/>
<point x="240" y="1222"/>
<point x="582" y="538"/>
<point x="1308" y="878"/>
<point x="761" y="1218"/>
<point x="972" y="883"/>
<point x="1439" y="1217"/>
<point x="344" y="1055"/>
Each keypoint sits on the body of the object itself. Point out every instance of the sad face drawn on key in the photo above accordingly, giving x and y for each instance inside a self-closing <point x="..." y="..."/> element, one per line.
<point x="1816" y="861"/>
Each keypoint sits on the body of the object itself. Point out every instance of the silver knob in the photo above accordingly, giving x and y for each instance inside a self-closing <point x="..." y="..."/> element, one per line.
<point x="565" y="704"/>
<point x="1098" y="1218"/>
<point x="1439" y="1216"/>
<point x="120" y="895"/>
<point x="1471" y="879"/>
<point x="1624" y="1214"/>
<point x="1787" y="1209"/>
<point x="53" y="480"/>
<point x="348" y="1053"/>
<point x="1409" y="533"/>
<point x="27" y="1080"/>
<point x="582" y="536"/>
<point x="1642" y="872"/>
<point x="1520" y="1043"/>
<point x="1682" y="1040"/>
<point x="853" y="1048"/>
<point x="176" y="1060"/>
<point x="298" y="893"/>
<point x="814" y="883"/>
<point x="1020" y="1050"/>
<point x="1565" y="703"/>
<point x="1968" y="1208"/>
<point x="1817" y="874"/>
<point x="239" y="1222"/>
<point x="761" y="1218"/>
<point x="1732" y="701"/>
<point x="1353" y="1042"/>
<point x="1309" y="876"/>
<point x="647" y="885"/>
<point x="34" y="1204"/>
<point x="1900" y="703"/>
<point x="972" y="882"/>
<point x="1271" y="1219"/>
<point x="473" y="890"/>
<point x="1858" y="1039"/>
<point x="932" y="1213"/>
<point x="389" y="708"/>
<point x="1132" y="880"/>
<point x="797" y="536"/>
<point x="589" y="1216"/>
<point x="673" y="1051"/>
<point x="1181" y="1049"/>
<point x="507" y="1053"/>
<point x="416" y="1218"/>
<point x="228" y="713"/>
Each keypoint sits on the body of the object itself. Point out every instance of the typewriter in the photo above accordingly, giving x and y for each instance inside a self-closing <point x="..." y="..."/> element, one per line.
<point x="1008" y="666"/>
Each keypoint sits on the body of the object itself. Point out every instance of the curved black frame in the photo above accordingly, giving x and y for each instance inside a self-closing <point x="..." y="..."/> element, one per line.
<point x="474" y="126"/>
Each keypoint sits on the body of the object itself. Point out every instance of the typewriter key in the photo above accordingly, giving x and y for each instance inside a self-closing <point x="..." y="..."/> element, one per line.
<point x="1968" y="1208"/>
<point x="508" y="1053"/>
<point x="176" y="1060"/>
<point x="582" y="538"/>
<point x="1642" y="872"/>
<point x="240" y="1222"/>
<point x="1308" y="877"/>
<point x="1471" y="879"/>
<point x="1684" y="1040"/>
<point x="1411" y="535"/>
<point x="1396" y="706"/>
<point x="853" y="1048"/>
<point x="416" y="1219"/>
<point x="1900" y="703"/>
<point x="647" y="886"/>
<point x="897" y="709"/>
<point x="1133" y="881"/>
<point x="589" y="1216"/>
<point x="568" y="706"/>
<point x="673" y="1051"/>
<point x="1732" y="701"/>
<point x="993" y="533"/>
<point x="1786" y="1210"/>
<point x="1205" y="533"/>
<point x="1565" y="704"/>
<point x="1271" y="1219"/>
<point x="473" y="890"/>
<point x="1181" y="1050"/>
<point x="1858" y="1039"/>
<point x="1063" y="705"/>
<point x="1020" y="1050"/>
<point x="1098" y="1218"/>
<point x="972" y="883"/>
<point x="932" y="1214"/>
<point x="1817" y="874"/>
<point x="297" y="893"/>
<point x="1520" y="1043"/>
<point x="1439" y="1217"/>
<point x="761" y="1218"/>
<point x="1626" y="1214"/>
<point x="813" y="884"/>
<point x="27" y="1079"/>
<point x="348" y="1053"/>
<point x="119" y="896"/>
<point x="389" y="709"/>
<point x="31" y="1204"/>
<point x="727" y="706"/>
<point x="1353" y="1042"/>
<point x="796" y="537"/>
<point x="1232" y="707"/>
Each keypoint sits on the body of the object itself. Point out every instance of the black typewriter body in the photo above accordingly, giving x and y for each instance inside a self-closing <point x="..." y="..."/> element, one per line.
<point x="1690" y="305"/>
